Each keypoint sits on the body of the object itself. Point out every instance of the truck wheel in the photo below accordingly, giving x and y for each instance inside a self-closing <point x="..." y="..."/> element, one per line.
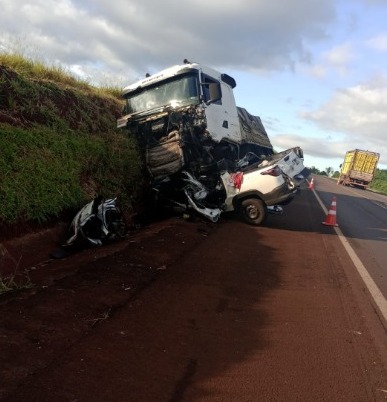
<point x="253" y="211"/>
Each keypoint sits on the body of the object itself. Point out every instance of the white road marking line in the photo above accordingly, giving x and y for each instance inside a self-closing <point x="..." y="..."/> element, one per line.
<point x="380" y="204"/>
<point x="372" y="287"/>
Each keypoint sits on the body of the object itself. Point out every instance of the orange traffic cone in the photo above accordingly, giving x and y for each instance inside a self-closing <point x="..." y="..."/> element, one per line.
<point x="311" y="184"/>
<point x="330" y="219"/>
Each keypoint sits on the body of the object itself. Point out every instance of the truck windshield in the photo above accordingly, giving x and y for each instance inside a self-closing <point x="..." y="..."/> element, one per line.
<point x="178" y="91"/>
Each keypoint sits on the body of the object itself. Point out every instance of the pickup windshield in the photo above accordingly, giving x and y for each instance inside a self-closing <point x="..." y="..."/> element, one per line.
<point x="178" y="91"/>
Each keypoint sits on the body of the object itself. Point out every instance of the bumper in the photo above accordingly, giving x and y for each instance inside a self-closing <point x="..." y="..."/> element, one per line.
<point x="280" y="196"/>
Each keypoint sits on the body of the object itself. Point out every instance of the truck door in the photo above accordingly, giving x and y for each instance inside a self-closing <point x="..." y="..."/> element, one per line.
<point x="221" y="114"/>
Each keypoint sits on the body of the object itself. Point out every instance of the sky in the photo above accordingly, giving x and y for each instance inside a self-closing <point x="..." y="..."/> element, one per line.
<point x="314" y="71"/>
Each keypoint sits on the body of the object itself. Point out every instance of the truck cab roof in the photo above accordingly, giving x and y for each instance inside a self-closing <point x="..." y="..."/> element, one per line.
<point x="175" y="70"/>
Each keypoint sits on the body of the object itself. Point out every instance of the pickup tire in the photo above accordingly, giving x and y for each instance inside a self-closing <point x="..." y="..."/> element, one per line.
<point x="253" y="211"/>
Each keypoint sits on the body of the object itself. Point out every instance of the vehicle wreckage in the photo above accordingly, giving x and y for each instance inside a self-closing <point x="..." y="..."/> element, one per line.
<point x="97" y="222"/>
<point x="201" y="151"/>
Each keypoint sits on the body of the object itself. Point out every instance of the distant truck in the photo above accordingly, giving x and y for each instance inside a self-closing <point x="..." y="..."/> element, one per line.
<point x="358" y="168"/>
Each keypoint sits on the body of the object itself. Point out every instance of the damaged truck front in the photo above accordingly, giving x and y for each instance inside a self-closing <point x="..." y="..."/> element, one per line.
<point x="186" y="123"/>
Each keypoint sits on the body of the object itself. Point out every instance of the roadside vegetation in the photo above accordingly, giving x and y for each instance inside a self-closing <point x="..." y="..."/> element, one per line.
<point x="7" y="284"/>
<point x="14" y="280"/>
<point x="380" y="181"/>
<point x="59" y="146"/>
<point x="378" y="184"/>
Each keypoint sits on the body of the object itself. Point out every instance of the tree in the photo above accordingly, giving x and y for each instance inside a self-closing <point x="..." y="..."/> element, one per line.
<point x="329" y="171"/>
<point x="314" y="170"/>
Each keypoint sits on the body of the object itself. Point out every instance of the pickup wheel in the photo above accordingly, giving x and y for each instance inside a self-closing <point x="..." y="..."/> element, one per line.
<point x="253" y="211"/>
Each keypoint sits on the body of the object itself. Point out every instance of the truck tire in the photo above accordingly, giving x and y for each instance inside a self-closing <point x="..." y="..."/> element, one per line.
<point x="253" y="211"/>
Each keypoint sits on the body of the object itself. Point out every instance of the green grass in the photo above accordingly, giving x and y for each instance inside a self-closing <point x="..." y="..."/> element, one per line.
<point x="43" y="173"/>
<point x="380" y="181"/>
<point x="59" y="145"/>
<point x="31" y="68"/>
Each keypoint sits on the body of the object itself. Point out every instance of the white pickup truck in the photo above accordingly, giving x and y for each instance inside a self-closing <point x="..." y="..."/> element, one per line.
<point x="198" y="153"/>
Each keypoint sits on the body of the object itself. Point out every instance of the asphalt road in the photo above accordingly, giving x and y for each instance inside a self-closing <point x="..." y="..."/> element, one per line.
<point x="229" y="312"/>
<point x="362" y="217"/>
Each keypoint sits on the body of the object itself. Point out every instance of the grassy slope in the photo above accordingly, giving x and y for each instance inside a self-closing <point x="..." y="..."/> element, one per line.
<point x="380" y="181"/>
<point x="59" y="146"/>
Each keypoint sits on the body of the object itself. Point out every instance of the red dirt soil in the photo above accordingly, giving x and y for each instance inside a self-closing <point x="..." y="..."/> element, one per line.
<point x="192" y="311"/>
<point x="71" y="296"/>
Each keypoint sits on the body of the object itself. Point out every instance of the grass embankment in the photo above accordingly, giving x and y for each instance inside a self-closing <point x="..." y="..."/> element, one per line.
<point x="59" y="145"/>
<point x="379" y="183"/>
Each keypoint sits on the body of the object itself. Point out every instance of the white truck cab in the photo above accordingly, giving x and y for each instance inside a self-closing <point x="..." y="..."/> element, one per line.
<point x="188" y="84"/>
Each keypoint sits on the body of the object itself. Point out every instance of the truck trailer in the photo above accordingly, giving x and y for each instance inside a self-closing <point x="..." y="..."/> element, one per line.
<point x="358" y="168"/>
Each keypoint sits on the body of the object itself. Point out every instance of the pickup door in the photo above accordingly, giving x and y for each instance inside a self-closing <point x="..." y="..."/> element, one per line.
<point x="290" y="161"/>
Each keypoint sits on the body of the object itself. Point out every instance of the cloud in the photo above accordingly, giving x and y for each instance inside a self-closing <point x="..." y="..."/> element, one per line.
<point x="340" y="56"/>
<point x="324" y="148"/>
<point x="375" y="3"/>
<point x="378" y="43"/>
<point x="318" y="71"/>
<point x="359" y="113"/>
<point x="134" y="37"/>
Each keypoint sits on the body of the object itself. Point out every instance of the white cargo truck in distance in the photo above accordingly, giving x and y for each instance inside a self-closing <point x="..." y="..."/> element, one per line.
<point x="201" y="151"/>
